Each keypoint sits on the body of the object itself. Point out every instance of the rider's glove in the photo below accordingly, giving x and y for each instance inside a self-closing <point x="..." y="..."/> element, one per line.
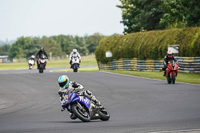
<point x="74" y="84"/>
<point x="60" y="93"/>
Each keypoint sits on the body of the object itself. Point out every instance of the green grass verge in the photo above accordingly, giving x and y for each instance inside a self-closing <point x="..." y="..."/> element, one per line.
<point x="13" y="66"/>
<point x="86" y="61"/>
<point x="182" y="77"/>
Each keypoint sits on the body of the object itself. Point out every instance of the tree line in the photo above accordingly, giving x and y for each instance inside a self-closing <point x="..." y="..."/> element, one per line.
<point x="141" y="15"/>
<point x="59" y="45"/>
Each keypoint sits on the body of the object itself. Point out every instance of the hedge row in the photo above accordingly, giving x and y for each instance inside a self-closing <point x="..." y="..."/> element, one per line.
<point x="150" y="45"/>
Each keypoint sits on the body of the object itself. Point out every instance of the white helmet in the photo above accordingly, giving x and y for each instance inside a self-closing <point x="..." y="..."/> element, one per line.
<point x="169" y="51"/>
<point x="32" y="56"/>
<point x="74" y="50"/>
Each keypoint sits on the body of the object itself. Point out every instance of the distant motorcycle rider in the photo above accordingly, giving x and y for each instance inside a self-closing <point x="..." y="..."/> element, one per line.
<point x="169" y="57"/>
<point x="32" y="58"/>
<point x="74" y="53"/>
<point x="39" y="54"/>
<point x="66" y="85"/>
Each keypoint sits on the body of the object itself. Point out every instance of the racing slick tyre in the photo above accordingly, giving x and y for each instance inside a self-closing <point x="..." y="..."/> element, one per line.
<point x="75" y="69"/>
<point x="168" y="79"/>
<point x="104" y="115"/>
<point x="173" y="78"/>
<point x="81" y="113"/>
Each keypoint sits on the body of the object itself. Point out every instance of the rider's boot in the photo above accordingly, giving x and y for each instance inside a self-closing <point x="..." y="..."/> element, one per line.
<point x="97" y="102"/>
<point x="62" y="109"/>
<point x="164" y="73"/>
<point x="70" y="63"/>
<point x="72" y="116"/>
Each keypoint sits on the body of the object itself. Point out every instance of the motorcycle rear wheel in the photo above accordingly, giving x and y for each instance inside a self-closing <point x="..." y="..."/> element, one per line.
<point x="105" y="116"/>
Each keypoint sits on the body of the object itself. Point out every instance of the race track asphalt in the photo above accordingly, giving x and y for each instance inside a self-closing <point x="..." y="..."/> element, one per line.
<point x="29" y="103"/>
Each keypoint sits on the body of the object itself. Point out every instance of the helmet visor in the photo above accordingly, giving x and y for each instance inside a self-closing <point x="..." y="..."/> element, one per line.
<point x="63" y="83"/>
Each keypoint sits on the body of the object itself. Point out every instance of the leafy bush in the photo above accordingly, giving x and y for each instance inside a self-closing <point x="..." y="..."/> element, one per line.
<point x="150" y="45"/>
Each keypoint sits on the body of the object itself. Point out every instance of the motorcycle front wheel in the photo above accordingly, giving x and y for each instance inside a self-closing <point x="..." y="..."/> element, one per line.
<point x="30" y="67"/>
<point x="168" y="79"/>
<point x="75" y="69"/>
<point x="173" y="78"/>
<point x="41" y="67"/>
<point x="81" y="113"/>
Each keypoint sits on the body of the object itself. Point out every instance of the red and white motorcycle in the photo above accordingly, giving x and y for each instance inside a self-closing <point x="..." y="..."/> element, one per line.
<point x="171" y="72"/>
<point x="42" y="63"/>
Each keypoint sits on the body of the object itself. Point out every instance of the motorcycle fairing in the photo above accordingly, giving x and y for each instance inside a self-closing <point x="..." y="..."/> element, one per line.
<point x="74" y="97"/>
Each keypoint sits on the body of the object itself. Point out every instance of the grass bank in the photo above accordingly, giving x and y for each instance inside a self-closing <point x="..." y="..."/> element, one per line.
<point x="182" y="77"/>
<point x="86" y="61"/>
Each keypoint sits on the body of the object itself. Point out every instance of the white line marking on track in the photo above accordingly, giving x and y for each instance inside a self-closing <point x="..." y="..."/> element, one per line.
<point x="179" y="131"/>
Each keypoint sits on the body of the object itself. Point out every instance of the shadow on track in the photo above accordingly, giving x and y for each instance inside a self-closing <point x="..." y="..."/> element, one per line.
<point x="72" y="121"/>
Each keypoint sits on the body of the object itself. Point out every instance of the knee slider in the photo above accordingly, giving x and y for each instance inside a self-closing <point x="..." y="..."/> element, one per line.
<point x="88" y="92"/>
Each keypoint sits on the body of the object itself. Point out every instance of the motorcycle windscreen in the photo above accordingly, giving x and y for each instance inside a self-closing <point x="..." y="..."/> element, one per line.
<point x="42" y="61"/>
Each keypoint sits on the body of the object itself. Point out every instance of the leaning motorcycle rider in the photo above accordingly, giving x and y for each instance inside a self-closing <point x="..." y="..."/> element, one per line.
<point x="39" y="54"/>
<point x="169" y="57"/>
<point x="74" y="53"/>
<point x="66" y="85"/>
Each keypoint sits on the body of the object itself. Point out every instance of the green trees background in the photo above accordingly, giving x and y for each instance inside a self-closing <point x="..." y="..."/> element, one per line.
<point x="141" y="15"/>
<point x="150" y="26"/>
<point x="4" y="49"/>
<point x="59" y="45"/>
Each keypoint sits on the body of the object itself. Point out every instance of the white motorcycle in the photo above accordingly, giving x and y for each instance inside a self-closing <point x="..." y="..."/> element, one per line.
<point x="75" y="64"/>
<point x="31" y="63"/>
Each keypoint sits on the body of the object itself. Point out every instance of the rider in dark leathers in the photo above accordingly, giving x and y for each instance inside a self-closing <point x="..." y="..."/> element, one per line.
<point x="39" y="54"/>
<point x="169" y="57"/>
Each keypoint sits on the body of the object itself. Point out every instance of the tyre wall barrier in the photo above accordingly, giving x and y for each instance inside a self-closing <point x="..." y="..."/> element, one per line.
<point x="186" y="64"/>
<point x="189" y="64"/>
